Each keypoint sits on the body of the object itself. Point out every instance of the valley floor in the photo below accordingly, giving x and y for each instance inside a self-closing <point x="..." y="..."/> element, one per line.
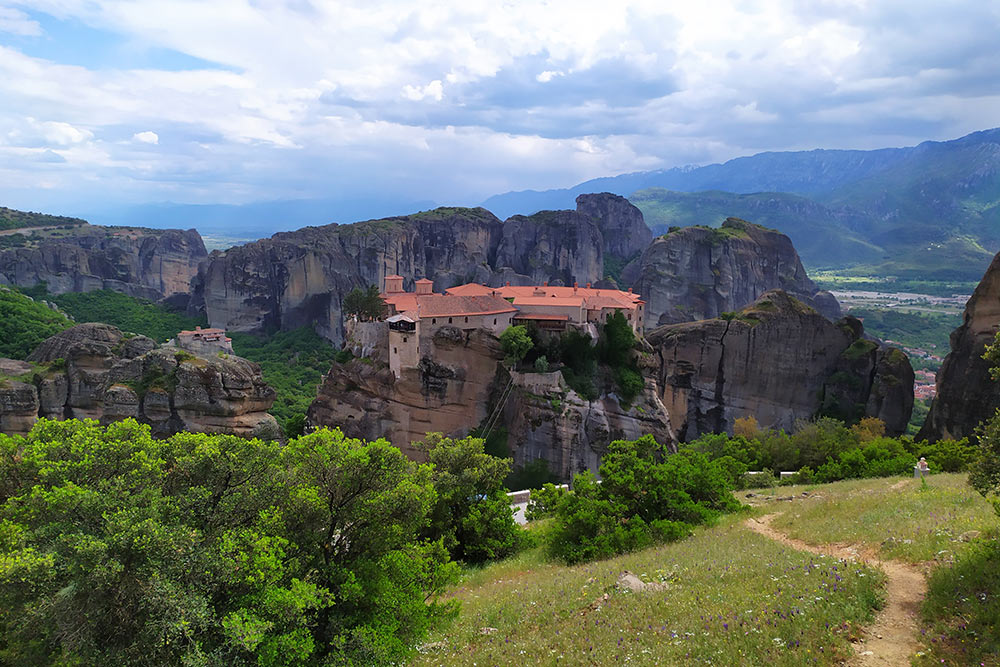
<point x="780" y="587"/>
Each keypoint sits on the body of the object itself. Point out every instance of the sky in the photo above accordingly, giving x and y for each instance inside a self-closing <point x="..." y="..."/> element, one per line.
<point x="118" y="102"/>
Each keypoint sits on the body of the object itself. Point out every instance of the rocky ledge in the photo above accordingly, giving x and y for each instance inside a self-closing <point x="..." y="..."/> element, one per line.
<point x="95" y="371"/>
<point x="778" y="360"/>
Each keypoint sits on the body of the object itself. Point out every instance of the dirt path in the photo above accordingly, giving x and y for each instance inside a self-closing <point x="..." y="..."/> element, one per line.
<point x="892" y="639"/>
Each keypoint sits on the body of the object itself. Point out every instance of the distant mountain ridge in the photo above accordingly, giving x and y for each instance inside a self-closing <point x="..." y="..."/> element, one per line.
<point x="929" y="210"/>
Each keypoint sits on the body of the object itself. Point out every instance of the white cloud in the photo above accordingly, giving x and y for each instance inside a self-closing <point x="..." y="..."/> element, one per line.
<point x="457" y="100"/>
<point x="16" y="22"/>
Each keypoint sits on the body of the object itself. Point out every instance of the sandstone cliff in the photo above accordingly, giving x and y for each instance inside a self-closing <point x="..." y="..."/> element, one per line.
<point x="777" y="360"/>
<point x="147" y="263"/>
<point x="622" y="226"/>
<point x="300" y="278"/>
<point x="94" y="371"/>
<point x="966" y="396"/>
<point x="696" y="273"/>
<point x="461" y="384"/>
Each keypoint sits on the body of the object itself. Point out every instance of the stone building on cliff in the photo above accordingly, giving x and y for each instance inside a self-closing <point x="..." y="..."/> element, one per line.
<point x="415" y="316"/>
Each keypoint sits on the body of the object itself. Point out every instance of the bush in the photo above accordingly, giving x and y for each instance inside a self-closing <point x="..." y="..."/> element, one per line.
<point x="543" y="501"/>
<point x="542" y="364"/>
<point x="25" y="323"/>
<point x="643" y="486"/>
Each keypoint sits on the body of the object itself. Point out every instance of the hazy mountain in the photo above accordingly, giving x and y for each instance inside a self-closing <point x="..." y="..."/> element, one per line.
<point x="932" y="210"/>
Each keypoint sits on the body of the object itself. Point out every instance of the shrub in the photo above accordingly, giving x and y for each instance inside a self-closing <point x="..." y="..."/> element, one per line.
<point x="643" y="484"/>
<point x="543" y="501"/>
<point x="630" y="383"/>
<point x="542" y="364"/>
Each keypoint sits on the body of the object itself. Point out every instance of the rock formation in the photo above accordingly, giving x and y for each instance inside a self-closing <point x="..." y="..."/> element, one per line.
<point x="622" y="226"/>
<point x="147" y="263"/>
<point x="558" y="247"/>
<point x="696" y="273"/>
<point x="300" y="278"/>
<point x="459" y="386"/>
<point x="966" y="396"/>
<point x="777" y="360"/>
<point x="95" y="371"/>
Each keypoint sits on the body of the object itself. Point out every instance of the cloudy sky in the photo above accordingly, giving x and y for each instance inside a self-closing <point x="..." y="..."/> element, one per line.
<point x="232" y="101"/>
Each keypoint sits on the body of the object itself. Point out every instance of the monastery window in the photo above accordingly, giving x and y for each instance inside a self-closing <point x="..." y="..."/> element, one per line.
<point x="404" y="339"/>
<point x="494" y="321"/>
<point x="434" y="320"/>
<point x="395" y="351"/>
<point x="466" y="318"/>
<point x="449" y="320"/>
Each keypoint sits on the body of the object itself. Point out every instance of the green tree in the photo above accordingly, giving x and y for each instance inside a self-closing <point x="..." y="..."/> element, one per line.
<point x="984" y="475"/>
<point x="366" y="304"/>
<point x="24" y="323"/>
<point x="515" y="343"/>
<point x="472" y="515"/>
<point x="116" y="548"/>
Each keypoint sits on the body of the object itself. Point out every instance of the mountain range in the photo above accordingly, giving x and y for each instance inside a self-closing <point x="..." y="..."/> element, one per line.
<point x="931" y="210"/>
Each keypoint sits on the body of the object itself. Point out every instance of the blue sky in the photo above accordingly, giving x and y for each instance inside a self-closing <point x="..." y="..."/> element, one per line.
<point x="119" y="102"/>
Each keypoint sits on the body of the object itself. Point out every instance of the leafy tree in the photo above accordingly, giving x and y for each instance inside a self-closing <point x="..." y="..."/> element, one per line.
<point x="116" y="548"/>
<point x="868" y="429"/>
<point x="366" y="304"/>
<point x="472" y="515"/>
<point x="985" y="474"/>
<point x="617" y="342"/>
<point x="515" y="343"/>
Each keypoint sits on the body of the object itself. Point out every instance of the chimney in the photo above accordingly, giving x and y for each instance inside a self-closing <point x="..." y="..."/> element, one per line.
<point x="629" y="290"/>
<point x="588" y="285"/>
<point x="508" y="283"/>
<point x="546" y="283"/>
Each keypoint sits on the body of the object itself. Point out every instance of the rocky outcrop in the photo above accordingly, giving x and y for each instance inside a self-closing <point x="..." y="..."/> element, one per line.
<point x="94" y="371"/>
<point x="545" y="419"/>
<point x="447" y="393"/>
<point x="966" y="396"/>
<point x="300" y="278"/>
<point x="460" y="384"/>
<point x="147" y="263"/>
<point x="557" y="247"/>
<point x="622" y="226"/>
<point x="697" y="273"/>
<point x="777" y="360"/>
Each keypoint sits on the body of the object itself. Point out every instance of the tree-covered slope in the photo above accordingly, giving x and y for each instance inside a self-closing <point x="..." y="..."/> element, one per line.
<point x="24" y="323"/>
<point x="12" y="219"/>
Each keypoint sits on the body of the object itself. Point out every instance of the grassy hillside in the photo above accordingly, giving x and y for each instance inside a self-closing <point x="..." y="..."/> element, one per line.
<point x="820" y="235"/>
<point x="12" y="219"/>
<point x="733" y="597"/>
<point x="24" y="323"/>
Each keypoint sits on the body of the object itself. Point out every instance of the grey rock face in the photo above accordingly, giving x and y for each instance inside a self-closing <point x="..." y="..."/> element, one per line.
<point x="147" y="263"/>
<point x="966" y="395"/>
<point x="777" y="360"/>
<point x="621" y="224"/>
<point x="697" y="273"/>
<point x="558" y="247"/>
<point x="107" y="376"/>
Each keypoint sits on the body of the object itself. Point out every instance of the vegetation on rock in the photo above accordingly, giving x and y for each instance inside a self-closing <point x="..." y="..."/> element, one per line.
<point x="365" y="303"/>
<point x="24" y="323"/>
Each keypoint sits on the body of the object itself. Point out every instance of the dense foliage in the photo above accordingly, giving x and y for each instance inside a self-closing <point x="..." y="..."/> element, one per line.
<point x="365" y="304"/>
<point x="589" y="368"/>
<point x="472" y="515"/>
<point x="294" y="363"/>
<point x="128" y="313"/>
<point x="116" y="548"/>
<point x="515" y="343"/>
<point x="24" y="323"/>
<point x="825" y="450"/>
<point x="647" y="496"/>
